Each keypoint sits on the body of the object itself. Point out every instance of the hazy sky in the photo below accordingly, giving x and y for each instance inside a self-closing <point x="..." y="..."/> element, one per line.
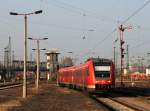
<point x="79" y="26"/>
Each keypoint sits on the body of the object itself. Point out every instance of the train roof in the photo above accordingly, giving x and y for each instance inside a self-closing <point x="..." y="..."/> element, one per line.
<point x="99" y="60"/>
<point x="96" y="61"/>
<point x="67" y="68"/>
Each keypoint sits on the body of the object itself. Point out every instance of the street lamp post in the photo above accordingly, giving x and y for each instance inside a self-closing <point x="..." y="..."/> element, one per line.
<point x="25" y="46"/>
<point x="38" y="58"/>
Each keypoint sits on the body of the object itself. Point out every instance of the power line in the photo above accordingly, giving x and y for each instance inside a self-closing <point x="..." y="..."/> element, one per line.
<point x="47" y="25"/>
<point x="61" y="5"/>
<point x="81" y="11"/>
<point x="63" y="26"/>
<point x="100" y="42"/>
<point x="127" y="19"/>
<point x="71" y="6"/>
<point x="141" y="44"/>
<point x="137" y="11"/>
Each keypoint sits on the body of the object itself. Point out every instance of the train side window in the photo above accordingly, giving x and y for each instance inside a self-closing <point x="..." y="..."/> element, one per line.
<point x="87" y="72"/>
<point x="78" y="73"/>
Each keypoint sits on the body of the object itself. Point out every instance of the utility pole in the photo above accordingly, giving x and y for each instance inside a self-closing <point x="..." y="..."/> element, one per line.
<point x="148" y="61"/>
<point x="115" y="62"/>
<point x="127" y="57"/>
<point x="9" y="60"/>
<point x="38" y="64"/>
<point x="6" y="61"/>
<point x="115" y="55"/>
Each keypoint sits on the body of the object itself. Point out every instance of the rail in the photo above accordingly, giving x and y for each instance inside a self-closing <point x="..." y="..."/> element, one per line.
<point x="10" y="86"/>
<point x="116" y="105"/>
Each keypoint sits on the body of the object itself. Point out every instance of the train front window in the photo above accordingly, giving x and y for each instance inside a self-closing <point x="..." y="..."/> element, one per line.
<point x="102" y="72"/>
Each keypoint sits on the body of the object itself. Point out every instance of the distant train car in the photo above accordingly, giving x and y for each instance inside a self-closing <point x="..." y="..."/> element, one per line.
<point x="18" y="76"/>
<point x="95" y="74"/>
<point x="29" y="76"/>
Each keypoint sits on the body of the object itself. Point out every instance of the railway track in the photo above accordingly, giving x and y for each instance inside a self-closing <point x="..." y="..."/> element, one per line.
<point x="116" y="105"/>
<point x="12" y="85"/>
<point x="16" y="84"/>
<point x="7" y="86"/>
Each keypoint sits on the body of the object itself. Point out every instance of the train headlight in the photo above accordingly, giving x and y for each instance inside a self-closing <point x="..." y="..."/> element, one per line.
<point x="109" y="81"/>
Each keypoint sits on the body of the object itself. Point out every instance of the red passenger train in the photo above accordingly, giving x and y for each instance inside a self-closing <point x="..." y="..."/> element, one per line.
<point x="95" y="74"/>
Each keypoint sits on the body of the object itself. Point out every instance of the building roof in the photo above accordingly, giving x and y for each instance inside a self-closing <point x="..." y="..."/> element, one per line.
<point x="52" y="51"/>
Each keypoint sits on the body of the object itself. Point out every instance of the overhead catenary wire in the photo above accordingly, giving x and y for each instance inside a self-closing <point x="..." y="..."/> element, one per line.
<point x="109" y="34"/>
<point x="137" y="11"/>
<point x="78" y="10"/>
<point x="69" y="5"/>
<point x="83" y="11"/>
<point x="60" y="5"/>
<point x="50" y="24"/>
<point x="141" y="44"/>
<point x="53" y="25"/>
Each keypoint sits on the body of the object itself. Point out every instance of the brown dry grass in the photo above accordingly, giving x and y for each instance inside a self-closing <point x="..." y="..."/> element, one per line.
<point x="49" y="97"/>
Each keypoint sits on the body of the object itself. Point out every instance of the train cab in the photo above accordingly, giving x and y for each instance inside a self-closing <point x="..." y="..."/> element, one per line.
<point x="104" y="74"/>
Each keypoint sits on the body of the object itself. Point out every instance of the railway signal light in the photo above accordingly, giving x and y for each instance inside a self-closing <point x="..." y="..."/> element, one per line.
<point x="122" y="42"/>
<point x="122" y="55"/>
<point x="122" y="49"/>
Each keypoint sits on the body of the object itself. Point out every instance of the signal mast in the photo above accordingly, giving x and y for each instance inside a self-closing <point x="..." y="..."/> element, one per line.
<point x="121" y="30"/>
